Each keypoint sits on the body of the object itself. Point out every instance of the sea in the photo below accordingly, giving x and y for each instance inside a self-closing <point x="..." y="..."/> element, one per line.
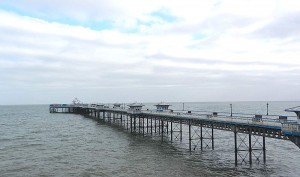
<point x="36" y="143"/>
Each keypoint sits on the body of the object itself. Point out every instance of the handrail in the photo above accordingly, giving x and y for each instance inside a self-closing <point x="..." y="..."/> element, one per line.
<point x="269" y="120"/>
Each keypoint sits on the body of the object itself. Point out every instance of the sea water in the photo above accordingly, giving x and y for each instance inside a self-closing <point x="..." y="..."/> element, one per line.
<point x="34" y="142"/>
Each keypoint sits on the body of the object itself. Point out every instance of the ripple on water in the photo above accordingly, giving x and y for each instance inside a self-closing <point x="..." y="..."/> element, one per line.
<point x="70" y="145"/>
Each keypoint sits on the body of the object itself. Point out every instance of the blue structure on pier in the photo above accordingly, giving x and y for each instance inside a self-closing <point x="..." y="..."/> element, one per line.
<point x="292" y="130"/>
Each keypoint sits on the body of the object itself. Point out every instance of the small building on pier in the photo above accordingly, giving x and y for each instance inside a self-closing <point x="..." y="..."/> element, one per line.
<point x="295" y="110"/>
<point x="135" y="107"/>
<point x="93" y="105"/>
<point x="162" y="107"/>
<point x="100" y="106"/>
<point x="117" y="106"/>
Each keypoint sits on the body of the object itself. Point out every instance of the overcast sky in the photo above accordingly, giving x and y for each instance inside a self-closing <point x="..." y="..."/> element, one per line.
<point x="149" y="51"/>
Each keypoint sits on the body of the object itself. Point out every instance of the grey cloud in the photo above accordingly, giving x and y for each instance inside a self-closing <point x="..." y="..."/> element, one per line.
<point x="214" y="25"/>
<point x="223" y="22"/>
<point x="284" y="26"/>
<point x="160" y="56"/>
<point x="84" y="68"/>
<point x="40" y="41"/>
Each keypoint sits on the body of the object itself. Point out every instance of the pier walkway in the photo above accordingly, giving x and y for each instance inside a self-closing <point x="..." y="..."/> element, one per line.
<point x="247" y="130"/>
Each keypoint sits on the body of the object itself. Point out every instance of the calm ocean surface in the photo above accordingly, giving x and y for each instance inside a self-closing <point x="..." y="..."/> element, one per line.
<point x="34" y="142"/>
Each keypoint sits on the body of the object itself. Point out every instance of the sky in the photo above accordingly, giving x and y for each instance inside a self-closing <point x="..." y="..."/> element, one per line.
<point x="52" y="51"/>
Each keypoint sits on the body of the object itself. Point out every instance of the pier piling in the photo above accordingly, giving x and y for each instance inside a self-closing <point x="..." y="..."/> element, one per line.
<point x="249" y="136"/>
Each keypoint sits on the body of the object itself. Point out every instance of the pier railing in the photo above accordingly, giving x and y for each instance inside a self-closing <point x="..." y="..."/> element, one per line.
<point x="291" y="127"/>
<point x="250" y="120"/>
<point x="263" y="120"/>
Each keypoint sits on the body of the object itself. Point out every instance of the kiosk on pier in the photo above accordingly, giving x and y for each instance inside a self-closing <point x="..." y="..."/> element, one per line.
<point x="135" y="107"/>
<point x="117" y="106"/>
<point x="162" y="107"/>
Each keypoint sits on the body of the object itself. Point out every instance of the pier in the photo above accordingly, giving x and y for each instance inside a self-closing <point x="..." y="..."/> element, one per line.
<point x="249" y="132"/>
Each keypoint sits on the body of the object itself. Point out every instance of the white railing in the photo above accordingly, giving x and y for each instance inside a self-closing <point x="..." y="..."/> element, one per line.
<point x="273" y="120"/>
<point x="233" y="119"/>
<point x="61" y="105"/>
<point x="291" y="127"/>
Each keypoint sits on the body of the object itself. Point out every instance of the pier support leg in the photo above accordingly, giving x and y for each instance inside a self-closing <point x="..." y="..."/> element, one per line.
<point x="122" y="120"/>
<point x="151" y="125"/>
<point x="143" y="126"/>
<point x="162" y="130"/>
<point x="155" y="125"/>
<point x="147" y="125"/>
<point x="201" y="137"/>
<point x="134" y="124"/>
<point x="212" y="137"/>
<point x="131" y="124"/>
<point x="250" y="147"/>
<point x="171" y="131"/>
<point x="167" y="127"/>
<point x="159" y="127"/>
<point x="180" y="131"/>
<point x="139" y="125"/>
<point x="264" y="147"/>
<point x="190" y="137"/>
<point x="235" y="148"/>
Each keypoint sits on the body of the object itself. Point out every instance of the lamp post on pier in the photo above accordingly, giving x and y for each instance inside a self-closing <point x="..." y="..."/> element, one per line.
<point x="231" y="110"/>
<point x="267" y="109"/>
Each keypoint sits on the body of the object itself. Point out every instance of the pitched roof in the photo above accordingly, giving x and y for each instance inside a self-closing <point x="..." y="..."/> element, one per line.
<point x="135" y="105"/>
<point x="294" y="109"/>
<point x="162" y="104"/>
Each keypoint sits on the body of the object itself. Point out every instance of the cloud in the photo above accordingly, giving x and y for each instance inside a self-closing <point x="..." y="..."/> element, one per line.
<point x="197" y="51"/>
<point x="284" y="26"/>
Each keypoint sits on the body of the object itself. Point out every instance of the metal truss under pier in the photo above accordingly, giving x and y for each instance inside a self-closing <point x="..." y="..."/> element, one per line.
<point x="248" y="135"/>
